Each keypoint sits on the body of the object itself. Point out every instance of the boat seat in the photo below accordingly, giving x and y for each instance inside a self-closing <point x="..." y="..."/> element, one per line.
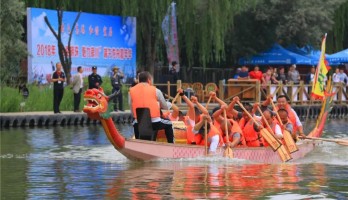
<point x="146" y="131"/>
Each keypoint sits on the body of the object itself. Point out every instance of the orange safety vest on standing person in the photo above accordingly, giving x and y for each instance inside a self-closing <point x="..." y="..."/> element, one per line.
<point x="144" y="96"/>
<point x="252" y="137"/>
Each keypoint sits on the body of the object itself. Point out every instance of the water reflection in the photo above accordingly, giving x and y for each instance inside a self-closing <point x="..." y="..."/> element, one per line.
<point x="79" y="162"/>
<point x="160" y="180"/>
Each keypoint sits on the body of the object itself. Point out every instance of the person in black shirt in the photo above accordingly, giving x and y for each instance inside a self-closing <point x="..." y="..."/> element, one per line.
<point x="58" y="79"/>
<point x="94" y="80"/>
<point x="117" y="86"/>
<point x="173" y="71"/>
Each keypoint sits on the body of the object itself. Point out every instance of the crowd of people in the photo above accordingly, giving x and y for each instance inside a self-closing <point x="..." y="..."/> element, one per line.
<point x="241" y="129"/>
<point x="272" y="75"/>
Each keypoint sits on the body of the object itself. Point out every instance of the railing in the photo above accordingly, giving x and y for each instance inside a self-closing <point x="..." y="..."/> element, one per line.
<point x="253" y="91"/>
<point x="297" y="94"/>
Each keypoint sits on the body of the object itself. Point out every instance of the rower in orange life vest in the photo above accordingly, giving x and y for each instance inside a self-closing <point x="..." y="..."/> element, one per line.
<point x="234" y="131"/>
<point x="212" y="132"/>
<point x="144" y="95"/>
<point x="188" y="119"/>
<point x="199" y="111"/>
<point x="287" y="125"/>
<point x="283" y="104"/>
<point x="252" y="137"/>
<point x="269" y="117"/>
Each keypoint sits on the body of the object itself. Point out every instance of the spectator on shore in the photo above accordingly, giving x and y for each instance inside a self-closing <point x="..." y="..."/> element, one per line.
<point x="235" y="76"/>
<point x="76" y="86"/>
<point x="343" y="76"/>
<point x="94" y="80"/>
<point x="274" y="73"/>
<point x="58" y="79"/>
<point x="282" y="75"/>
<point x="24" y="91"/>
<point x="243" y="74"/>
<point x="256" y="74"/>
<point x="116" y="84"/>
<point x="294" y="75"/>
<point x="310" y="76"/>
<point x="174" y="71"/>
<point x="335" y="76"/>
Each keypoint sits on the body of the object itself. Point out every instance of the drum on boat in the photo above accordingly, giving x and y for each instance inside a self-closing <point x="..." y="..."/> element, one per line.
<point x="180" y="134"/>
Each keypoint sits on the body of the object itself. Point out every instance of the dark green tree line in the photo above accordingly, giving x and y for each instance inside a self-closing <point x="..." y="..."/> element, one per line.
<point x="212" y="33"/>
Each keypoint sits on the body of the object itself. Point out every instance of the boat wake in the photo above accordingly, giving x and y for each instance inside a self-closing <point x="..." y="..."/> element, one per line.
<point x="327" y="153"/>
<point x="105" y="154"/>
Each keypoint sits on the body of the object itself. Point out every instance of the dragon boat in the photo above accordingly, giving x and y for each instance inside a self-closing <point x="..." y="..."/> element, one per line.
<point x="135" y="149"/>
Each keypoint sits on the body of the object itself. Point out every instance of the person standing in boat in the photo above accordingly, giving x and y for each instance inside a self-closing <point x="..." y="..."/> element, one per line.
<point x="282" y="103"/>
<point x="145" y="95"/>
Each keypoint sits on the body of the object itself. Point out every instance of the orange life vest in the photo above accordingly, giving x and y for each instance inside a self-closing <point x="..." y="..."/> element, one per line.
<point x="252" y="137"/>
<point x="144" y="96"/>
<point x="292" y="117"/>
<point x="235" y="128"/>
<point x="212" y="132"/>
<point x="189" y="130"/>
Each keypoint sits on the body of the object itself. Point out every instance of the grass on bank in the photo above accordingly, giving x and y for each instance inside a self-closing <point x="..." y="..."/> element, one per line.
<point x="41" y="98"/>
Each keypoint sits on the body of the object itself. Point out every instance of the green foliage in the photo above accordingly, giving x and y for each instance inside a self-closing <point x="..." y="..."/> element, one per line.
<point x="337" y="39"/>
<point x="216" y="32"/>
<point x="12" y="48"/>
<point x="287" y="22"/>
<point x="41" y="98"/>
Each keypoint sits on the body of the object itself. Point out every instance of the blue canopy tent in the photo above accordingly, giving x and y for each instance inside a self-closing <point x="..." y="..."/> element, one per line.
<point x="310" y="52"/>
<point x="338" y="58"/>
<point x="276" y="55"/>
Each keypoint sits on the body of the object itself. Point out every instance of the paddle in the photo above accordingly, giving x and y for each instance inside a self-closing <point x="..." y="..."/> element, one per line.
<point x="283" y="153"/>
<point x="205" y="129"/>
<point x="338" y="141"/>
<point x="206" y="105"/>
<point x="274" y="143"/>
<point x="289" y="141"/>
<point x="176" y="96"/>
<point x="206" y="137"/>
<point x="228" y="152"/>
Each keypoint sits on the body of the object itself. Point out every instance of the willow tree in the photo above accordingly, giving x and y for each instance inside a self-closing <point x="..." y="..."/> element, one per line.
<point x="337" y="39"/>
<point x="202" y="25"/>
<point x="12" y="48"/>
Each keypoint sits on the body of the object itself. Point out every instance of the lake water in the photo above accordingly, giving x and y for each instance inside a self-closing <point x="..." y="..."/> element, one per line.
<point x="78" y="162"/>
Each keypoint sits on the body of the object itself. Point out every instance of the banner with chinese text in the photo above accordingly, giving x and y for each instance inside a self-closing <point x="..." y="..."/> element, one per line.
<point x="98" y="40"/>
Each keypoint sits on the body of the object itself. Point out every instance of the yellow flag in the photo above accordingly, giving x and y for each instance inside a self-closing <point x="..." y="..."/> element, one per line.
<point x="323" y="68"/>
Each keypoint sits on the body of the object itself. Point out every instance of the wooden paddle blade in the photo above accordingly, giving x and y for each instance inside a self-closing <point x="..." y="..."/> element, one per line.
<point x="289" y="142"/>
<point x="269" y="137"/>
<point x="228" y="152"/>
<point x="342" y="143"/>
<point x="283" y="154"/>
